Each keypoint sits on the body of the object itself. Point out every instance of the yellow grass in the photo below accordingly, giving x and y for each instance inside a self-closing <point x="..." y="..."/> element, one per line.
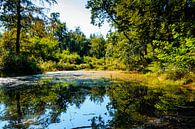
<point x="151" y="80"/>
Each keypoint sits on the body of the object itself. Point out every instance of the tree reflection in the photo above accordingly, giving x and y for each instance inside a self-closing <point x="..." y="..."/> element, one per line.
<point x="131" y="105"/>
<point x="135" y="104"/>
<point x="42" y="104"/>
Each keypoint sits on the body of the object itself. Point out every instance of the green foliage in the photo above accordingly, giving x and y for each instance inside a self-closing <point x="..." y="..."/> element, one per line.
<point x="19" y="65"/>
<point x="66" y="66"/>
<point x="155" y="67"/>
<point x="76" y="41"/>
<point x="84" y="66"/>
<point x="97" y="46"/>
<point x="175" y="72"/>
<point x="47" y="65"/>
<point x="44" y="48"/>
<point x="20" y="15"/>
<point x="157" y="34"/>
<point x="94" y="63"/>
<point x="67" y="57"/>
<point x="176" y="57"/>
<point x="150" y="36"/>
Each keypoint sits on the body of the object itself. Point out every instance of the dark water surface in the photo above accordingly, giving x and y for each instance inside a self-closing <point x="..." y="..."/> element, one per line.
<point x="76" y="100"/>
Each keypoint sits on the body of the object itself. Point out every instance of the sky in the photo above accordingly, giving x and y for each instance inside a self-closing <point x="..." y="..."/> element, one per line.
<point x="74" y="13"/>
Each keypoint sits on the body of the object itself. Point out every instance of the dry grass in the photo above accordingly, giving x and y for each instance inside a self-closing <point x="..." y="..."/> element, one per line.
<point x="151" y="80"/>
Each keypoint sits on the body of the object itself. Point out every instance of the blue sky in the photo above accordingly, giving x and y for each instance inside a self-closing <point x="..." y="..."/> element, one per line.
<point x="74" y="13"/>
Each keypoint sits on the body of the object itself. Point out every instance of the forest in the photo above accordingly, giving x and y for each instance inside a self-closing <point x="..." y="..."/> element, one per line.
<point x="154" y="37"/>
<point x="141" y="75"/>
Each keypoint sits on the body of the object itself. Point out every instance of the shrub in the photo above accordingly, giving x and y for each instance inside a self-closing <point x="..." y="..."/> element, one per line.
<point x="19" y="65"/>
<point x="155" y="67"/>
<point x="66" y="66"/>
<point x="67" y="57"/>
<point x="175" y="72"/>
<point x="48" y="66"/>
<point x="83" y="66"/>
<point x="177" y="57"/>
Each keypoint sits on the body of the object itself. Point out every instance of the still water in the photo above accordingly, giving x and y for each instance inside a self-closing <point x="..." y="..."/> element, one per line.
<point x="69" y="100"/>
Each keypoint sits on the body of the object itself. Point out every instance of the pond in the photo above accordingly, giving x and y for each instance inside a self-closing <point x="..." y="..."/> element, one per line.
<point x="75" y="100"/>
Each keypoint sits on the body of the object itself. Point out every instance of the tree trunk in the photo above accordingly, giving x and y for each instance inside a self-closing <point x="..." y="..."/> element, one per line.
<point x="18" y="107"/>
<point x="18" y="27"/>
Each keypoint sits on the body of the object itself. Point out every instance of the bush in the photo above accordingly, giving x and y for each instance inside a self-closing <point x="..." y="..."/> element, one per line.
<point x="154" y="67"/>
<point x="14" y="65"/>
<point x="66" y="66"/>
<point x="67" y="57"/>
<point x="177" y="57"/>
<point x="84" y="66"/>
<point x="48" y="66"/>
<point x="175" y="72"/>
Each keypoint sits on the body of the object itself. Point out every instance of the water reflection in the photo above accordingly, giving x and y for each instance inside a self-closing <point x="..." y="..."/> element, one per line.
<point x="95" y="103"/>
<point x="45" y="104"/>
<point x="142" y="107"/>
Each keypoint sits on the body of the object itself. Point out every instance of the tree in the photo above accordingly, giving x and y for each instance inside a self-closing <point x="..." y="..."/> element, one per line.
<point x="97" y="46"/>
<point x="76" y="41"/>
<point x="59" y="29"/>
<point x="54" y="21"/>
<point x="38" y="28"/>
<point x="61" y="34"/>
<point x="143" y="22"/>
<point x="24" y="11"/>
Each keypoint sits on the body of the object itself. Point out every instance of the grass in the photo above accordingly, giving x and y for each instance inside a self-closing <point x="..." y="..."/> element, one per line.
<point x="151" y="79"/>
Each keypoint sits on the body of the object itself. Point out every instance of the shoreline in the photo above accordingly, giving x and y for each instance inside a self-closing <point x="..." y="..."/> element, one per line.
<point x="148" y="80"/>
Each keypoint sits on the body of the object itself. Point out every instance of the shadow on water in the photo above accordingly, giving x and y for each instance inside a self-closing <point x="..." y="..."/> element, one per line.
<point x="141" y="107"/>
<point x="95" y="103"/>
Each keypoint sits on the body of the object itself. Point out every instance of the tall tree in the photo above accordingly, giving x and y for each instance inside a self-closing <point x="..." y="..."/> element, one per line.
<point x="59" y="29"/>
<point x="141" y="22"/>
<point x="54" y="21"/>
<point x="97" y="46"/>
<point x="23" y="11"/>
<point x="76" y="42"/>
